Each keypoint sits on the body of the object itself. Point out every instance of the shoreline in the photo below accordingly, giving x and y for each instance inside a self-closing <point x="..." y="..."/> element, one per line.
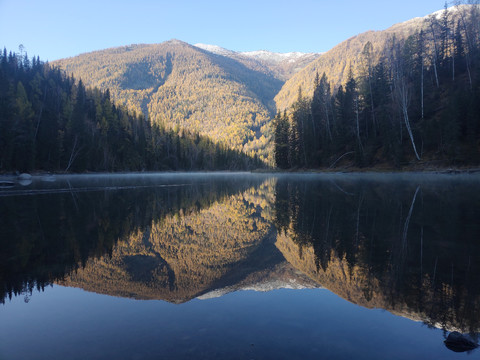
<point x="349" y="170"/>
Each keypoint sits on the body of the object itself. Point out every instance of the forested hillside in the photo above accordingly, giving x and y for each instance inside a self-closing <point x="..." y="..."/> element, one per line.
<point x="413" y="101"/>
<point x="52" y="122"/>
<point x="349" y="55"/>
<point x="177" y="85"/>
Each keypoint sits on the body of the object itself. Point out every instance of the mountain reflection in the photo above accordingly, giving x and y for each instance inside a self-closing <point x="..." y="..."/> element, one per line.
<point x="411" y="247"/>
<point x="187" y="254"/>
<point x="408" y="245"/>
<point x="47" y="233"/>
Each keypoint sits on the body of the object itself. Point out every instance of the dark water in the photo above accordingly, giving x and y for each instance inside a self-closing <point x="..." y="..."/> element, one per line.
<point x="239" y="266"/>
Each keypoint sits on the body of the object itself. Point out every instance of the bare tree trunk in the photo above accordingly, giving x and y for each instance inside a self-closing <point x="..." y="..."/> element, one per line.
<point x="341" y="157"/>
<point x="73" y="154"/>
<point x="421" y="253"/>
<point x="358" y="124"/>
<point x="329" y="132"/>
<point x="403" y="95"/>
<point x="453" y="53"/>
<point x="407" y="221"/>
<point x="469" y="45"/>
<point x="407" y="125"/>
<point x="371" y="104"/>
<point x="435" y="51"/>
<point x="40" y="114"/>
<point x="421" y="89"/>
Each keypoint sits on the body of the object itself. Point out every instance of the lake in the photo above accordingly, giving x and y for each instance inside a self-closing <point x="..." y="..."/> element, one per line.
<point x="239" y="266"/>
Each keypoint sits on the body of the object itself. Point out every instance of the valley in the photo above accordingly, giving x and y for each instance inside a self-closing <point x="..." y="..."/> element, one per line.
<point x="400" y="98"/>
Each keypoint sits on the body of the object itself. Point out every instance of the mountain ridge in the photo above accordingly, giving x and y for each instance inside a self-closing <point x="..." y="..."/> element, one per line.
<point x="283" y="65"/>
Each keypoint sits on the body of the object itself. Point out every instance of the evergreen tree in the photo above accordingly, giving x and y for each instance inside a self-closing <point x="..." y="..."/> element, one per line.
<point x="49" y="121"/>
<point x="281" y="138"/>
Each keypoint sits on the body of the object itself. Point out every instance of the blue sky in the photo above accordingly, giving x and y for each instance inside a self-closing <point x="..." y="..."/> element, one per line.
<point x="56" y="29"/>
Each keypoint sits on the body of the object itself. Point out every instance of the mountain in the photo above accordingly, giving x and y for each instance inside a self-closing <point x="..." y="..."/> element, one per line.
<point x="337" y="62"/>
<point x="182" y="86"/>
<point x="225" y="95"/>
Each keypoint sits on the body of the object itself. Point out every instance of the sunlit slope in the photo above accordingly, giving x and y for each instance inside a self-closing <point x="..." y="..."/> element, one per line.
<point x="337" y="62"/>
<point x="181" y="86"/>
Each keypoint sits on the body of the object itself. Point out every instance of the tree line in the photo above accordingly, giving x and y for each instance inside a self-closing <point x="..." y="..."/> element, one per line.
<point x="417" y="105"/>
<point x="52" y="122"/>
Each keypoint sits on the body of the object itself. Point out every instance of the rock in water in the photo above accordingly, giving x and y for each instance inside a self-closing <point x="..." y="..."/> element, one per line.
<point x="459" y="343"/>
<point x="24" y="176"/>
<point x="24" y="179"/>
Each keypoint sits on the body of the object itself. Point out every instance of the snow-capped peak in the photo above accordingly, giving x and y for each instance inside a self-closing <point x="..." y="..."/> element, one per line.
<point x="215" y="49"/>
<point x="273" y="56"/>
<point x="264" y="55"/>
<point x="439" y="14"/>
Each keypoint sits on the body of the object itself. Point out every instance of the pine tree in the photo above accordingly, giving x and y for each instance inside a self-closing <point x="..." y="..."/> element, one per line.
<point x="23" y="131"/>
<point x="281" y="137"/>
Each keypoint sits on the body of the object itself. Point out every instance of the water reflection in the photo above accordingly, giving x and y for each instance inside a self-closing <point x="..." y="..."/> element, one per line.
<point x="407" y="245"/>
<point x="190" y="253"/>
<point x="410" y="246"/>
<point x="51" y="230"/>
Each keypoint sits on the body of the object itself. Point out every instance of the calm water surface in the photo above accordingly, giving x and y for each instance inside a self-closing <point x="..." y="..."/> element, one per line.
<point x="239" y="266"/>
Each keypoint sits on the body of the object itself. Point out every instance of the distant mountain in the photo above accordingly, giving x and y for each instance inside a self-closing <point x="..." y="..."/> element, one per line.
<point x="282" y="65"/>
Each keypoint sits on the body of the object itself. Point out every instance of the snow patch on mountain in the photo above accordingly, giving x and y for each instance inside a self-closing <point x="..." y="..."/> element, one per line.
<point x="262" y="55"/>
<point x="276" y="57"/>
<point x="215" y="49"/>
<point x="439" y="14"/>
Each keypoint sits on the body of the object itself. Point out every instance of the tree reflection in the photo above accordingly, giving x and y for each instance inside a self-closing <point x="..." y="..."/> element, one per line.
<point x="46" y="237"/>
<point x="408" y="245"/>
<point x="411" y="247"/>
<point x="191" y="253"/>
